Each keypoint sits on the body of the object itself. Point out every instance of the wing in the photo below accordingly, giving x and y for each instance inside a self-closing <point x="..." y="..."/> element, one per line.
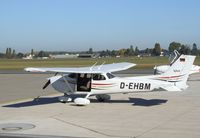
<point x="94" y="69"/>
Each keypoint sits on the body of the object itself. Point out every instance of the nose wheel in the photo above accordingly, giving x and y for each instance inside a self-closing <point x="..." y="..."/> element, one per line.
<point x="65" y="98"/>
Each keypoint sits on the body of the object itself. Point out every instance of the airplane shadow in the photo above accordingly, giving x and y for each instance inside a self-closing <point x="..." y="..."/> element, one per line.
<point x="145" y="102"/>
<point x="137" y="101"/>
<point x="35" y="102"/>
<point x="52" y="100"/>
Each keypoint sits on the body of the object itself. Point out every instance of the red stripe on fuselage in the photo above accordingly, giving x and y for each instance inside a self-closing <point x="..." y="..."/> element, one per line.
<point x="169" y="77"/>
<point x="101" y="84"/>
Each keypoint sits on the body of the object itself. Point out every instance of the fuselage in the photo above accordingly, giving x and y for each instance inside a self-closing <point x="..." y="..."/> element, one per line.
<point x="106" y="84"/>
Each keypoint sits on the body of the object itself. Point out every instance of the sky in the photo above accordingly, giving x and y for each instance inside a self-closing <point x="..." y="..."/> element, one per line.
<point x="77" y="25"/>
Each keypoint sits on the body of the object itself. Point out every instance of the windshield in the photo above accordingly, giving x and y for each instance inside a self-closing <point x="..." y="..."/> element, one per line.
<point x="110" y="76"/>
<point x="72" y="75"/>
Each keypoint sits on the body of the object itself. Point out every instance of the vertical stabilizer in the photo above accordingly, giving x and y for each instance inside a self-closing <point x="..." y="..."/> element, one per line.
<point x="178" y="72"/>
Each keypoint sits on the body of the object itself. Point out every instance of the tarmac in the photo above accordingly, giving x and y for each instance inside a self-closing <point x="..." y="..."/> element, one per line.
<point x="141" y="115"/>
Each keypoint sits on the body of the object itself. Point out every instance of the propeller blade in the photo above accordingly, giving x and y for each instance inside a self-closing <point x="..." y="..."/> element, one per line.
<point x="155" y="70"/>
<point x="46" y="84"/>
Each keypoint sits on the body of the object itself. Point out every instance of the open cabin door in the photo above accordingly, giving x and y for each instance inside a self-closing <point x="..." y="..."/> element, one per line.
<point x="84" y="82"/>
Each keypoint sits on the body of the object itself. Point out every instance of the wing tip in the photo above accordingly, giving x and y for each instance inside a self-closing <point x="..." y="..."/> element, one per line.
<point x="30" y="69"/>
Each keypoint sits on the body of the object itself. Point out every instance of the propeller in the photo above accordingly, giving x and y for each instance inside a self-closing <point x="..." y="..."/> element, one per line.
<point x="46" y="84"/>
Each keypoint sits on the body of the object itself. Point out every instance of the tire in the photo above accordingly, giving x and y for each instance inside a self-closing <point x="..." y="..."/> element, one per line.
<point x="103" y="97"/>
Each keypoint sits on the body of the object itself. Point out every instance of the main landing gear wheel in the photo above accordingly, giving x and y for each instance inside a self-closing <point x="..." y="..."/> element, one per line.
<point x="103" y="97"/>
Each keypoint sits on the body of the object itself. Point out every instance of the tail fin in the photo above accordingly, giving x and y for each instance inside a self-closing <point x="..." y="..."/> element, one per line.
<point x="178" y="72"/>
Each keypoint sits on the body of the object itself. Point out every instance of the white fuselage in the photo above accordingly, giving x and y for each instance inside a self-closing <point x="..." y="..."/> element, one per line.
<point x="122" y="85"/>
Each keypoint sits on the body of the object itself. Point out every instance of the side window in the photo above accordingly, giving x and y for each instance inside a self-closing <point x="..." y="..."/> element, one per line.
<point x="98" y="77"/>
<point x="102" y="77"/>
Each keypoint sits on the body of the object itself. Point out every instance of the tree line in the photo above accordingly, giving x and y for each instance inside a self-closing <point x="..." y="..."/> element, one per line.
<point x="155" y="51"/>
<point x="184" y="49"/>
<point x="11" y="54"/>
<point x="124" y="52"/>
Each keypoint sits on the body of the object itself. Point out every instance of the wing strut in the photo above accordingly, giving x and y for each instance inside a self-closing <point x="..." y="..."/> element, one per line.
<point x="93" y="66"/>
<point x="101" y="65"/>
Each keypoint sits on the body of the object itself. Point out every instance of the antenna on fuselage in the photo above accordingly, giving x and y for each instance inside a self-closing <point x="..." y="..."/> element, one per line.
<point x="101" y="65"/>
<point x="93" y="66"/>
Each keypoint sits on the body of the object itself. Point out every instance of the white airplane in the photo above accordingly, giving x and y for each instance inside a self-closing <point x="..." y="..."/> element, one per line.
<point x="163" y="68"/>
<point x="98" y="80"/>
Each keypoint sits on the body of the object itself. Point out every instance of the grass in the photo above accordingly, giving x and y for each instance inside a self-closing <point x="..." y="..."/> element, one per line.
<point x="142" y="62"/>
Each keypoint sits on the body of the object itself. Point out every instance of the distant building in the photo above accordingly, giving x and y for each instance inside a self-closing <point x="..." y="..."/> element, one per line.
<point x="145" y="55"/>
<point x="28" y="57"/>
<point x="42" y="57"/>
<point x="64" y="56"/>
<point x="166" y="53"/>
<point x="161" y="54"/>
<point x="85" y="55"/>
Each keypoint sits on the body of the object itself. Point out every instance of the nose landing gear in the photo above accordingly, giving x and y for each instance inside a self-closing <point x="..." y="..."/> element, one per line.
<point x="65" y="98"/>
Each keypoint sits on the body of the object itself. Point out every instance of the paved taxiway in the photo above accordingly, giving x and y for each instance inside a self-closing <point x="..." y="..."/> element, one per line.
<point x="158" y="114"/>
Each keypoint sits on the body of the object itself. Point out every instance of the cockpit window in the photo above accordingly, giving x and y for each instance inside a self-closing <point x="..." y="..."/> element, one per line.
<point x="110" y="76"/>
<point x="98" y="77"/>
<point x="72" y="75"/>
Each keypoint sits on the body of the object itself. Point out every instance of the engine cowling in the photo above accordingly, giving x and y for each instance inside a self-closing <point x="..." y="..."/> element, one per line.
<point x="60" y="85"/>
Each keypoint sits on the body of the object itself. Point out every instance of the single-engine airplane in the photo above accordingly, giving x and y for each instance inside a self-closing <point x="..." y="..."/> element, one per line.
<point x="163" y="68"/>
<point x="99" y="81"/>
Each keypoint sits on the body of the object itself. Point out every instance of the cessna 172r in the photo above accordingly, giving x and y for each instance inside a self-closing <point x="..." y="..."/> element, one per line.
<point x="163" y="68"/>
<point x="99" y="81"/>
